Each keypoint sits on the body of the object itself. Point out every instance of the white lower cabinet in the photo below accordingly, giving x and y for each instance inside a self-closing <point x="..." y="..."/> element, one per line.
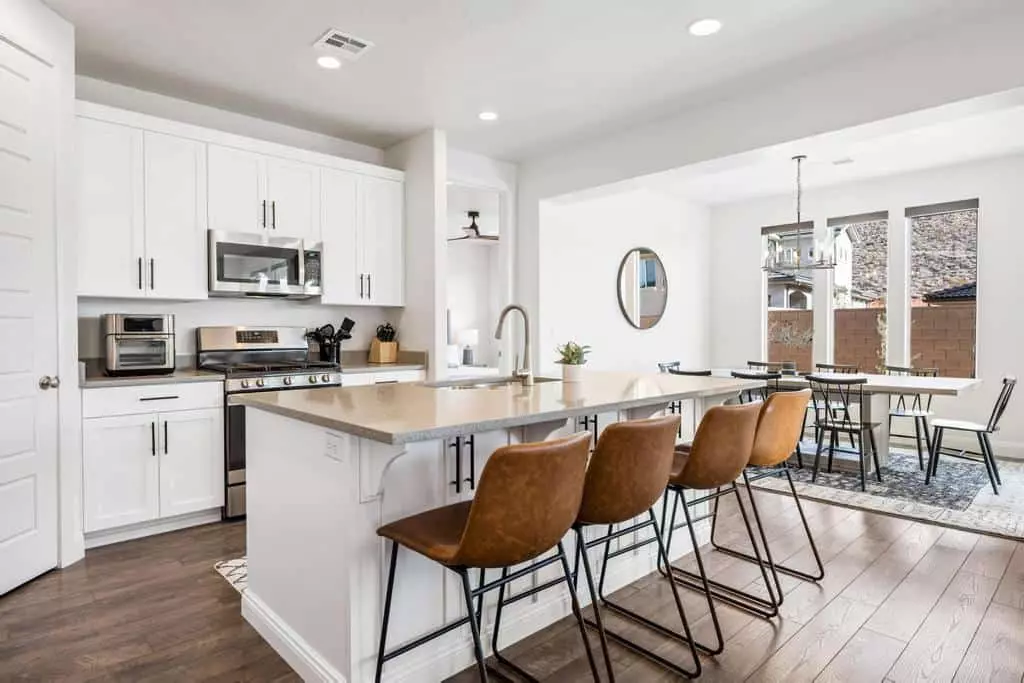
<point x="152" y="465"/>
<point x="121" y="471"/>
<point x="191" y="469"/>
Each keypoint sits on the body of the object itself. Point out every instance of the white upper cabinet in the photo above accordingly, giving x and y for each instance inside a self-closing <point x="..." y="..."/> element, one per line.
<point x="251" y="192"/>
<point x="383" y="232"/>
<point x="141" y="208"/>
<point x="111" y="248"/>
<point x="236" y="190"/>
<point x="341" y="259"/>
<point x="293" y="199"/>
<point x="363" y="240"/>
<point x="175" y="191"/>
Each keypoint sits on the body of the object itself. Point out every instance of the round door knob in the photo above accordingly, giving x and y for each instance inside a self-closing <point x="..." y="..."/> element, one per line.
<point x="325" y="378"/>
<point x="312" y="379"/>
<point x="47" y="382"/>
<point x="245" y="384"/>
<point x="288" y="381"/>
<point x="259" y="382"/>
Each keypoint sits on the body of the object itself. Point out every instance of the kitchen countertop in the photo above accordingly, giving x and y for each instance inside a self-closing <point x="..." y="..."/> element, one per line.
<point x="404" y="413"/>
<point x="358" y="367"/>
<point x="97" y="380"/>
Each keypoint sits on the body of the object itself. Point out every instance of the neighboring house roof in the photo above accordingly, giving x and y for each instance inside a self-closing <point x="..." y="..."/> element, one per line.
<point x="776" y="277"/>
<point x="965" y="292"/>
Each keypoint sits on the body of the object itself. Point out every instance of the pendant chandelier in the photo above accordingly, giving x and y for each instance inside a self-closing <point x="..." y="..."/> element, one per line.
<point x="797" y="249"/>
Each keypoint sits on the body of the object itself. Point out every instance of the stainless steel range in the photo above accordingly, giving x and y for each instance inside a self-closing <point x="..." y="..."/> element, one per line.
<point x="256" y="359"/>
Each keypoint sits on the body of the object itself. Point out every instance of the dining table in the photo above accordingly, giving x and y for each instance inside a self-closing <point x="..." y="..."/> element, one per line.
<point x="879" y="394"/>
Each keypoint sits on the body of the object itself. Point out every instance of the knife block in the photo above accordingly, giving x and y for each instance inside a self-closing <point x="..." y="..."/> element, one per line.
<point x="383" y="352"/>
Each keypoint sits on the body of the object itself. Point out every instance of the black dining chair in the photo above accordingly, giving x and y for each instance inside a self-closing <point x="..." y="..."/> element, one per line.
<point x="785" y="367"/>
<point x="828" y="391"/>
<point x="983" y="432"/>
<point x="837" y="369"/>
<point x="761" y="393"/>
<point x="917" y="407"/>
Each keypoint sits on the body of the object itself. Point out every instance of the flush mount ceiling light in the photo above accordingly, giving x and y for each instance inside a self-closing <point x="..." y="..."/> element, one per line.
<point x="705" y="27"/>
<point x="488" y="116"/>
<point x="328" y="62"/>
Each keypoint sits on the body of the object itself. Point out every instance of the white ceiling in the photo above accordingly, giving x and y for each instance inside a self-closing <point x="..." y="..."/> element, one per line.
<point x="985" y="128"/>
<point x="555" y="70"/>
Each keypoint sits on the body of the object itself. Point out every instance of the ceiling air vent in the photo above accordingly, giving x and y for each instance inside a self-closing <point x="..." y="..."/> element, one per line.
<point x="343" y="45"/>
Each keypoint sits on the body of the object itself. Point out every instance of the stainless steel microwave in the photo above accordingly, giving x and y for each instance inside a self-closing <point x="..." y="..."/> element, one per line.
<point x="251" y="264"/>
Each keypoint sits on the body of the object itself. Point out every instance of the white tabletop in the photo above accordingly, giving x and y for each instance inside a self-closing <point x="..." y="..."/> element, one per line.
<point x="882" y="384"/>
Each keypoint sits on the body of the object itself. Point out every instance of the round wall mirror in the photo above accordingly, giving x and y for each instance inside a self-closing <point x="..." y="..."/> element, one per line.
<point x="643" y="288"/>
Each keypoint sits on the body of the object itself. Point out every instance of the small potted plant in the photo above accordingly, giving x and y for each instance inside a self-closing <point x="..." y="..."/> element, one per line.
<point x="572" y="359"/>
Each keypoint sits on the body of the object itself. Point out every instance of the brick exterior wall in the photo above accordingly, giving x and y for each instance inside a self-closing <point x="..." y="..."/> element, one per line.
<point x="941" y="337"/>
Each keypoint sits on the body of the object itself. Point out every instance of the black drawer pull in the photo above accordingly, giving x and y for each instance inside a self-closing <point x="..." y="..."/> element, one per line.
<point x="158" y="398"/>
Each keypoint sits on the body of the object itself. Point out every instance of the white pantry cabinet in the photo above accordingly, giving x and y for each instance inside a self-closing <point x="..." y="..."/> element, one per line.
<point x="363" y="231"/>
<point x="141" y="208"/>
<point x="151" y="464"/>
<point x="251" y="192"/>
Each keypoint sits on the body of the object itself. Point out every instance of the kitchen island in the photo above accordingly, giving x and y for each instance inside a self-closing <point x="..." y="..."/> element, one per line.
<point x="327" y="467"/>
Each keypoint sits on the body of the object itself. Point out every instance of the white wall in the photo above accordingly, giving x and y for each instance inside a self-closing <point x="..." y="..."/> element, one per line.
<point x="906" y="76"/>
<point x="189" y="315"/>
<point x="583" y="242"/>
<point x="115" y="95"/>
<point x="737" y="295"/>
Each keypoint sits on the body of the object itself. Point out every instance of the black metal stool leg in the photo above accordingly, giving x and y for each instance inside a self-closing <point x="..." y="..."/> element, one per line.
<point x="917" y="432"/>
<point x="761" y="533"/>
<point x="581" y="551"/>
<point x="578" y="613"/>
<point x="753" y="604"/>
<point x="387" y="611"/>
<point x="861" y="455"/>
<point x="817" y="455"/>
<point x="474" y="627"/>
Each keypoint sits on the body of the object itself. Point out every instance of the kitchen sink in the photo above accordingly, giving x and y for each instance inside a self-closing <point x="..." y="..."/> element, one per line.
<point x="485" y="383"/>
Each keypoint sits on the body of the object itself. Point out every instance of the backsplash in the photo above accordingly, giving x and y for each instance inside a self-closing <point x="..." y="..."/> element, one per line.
<point x="189" y="315"/>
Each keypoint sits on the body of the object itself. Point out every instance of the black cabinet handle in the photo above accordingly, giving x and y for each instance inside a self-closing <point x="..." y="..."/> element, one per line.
<point x="457" y="445"/>
<point x="165" y="437"/>
<point x="152" y="276"/>
<point x="369" y="286"/>
<point x="362" y="279"/>
<point x="273" y="215"/>
<point x="471" y="479"/>
<point x="263" y="204"/>
<point x="158" y="398"/>
<point x="140" y="272"/>
<point x="152" y="438"/>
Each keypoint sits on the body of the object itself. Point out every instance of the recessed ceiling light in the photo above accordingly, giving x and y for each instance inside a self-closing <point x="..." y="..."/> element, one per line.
<point x="328" y="62"/>
<point x="705" y="27"/>
<point x="488" y="116"/>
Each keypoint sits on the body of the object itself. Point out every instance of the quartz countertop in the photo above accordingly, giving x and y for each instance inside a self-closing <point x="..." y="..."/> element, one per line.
<point x="404" y="413"/>
<point x="360" y="367"/>
<point x="94" y="381"/>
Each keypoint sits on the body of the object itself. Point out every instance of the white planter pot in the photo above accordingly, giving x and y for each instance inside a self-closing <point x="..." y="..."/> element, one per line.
<point x="572" y="373"/>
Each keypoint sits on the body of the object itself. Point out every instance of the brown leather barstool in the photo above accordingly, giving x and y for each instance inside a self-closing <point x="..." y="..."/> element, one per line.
<point x="527" y="499"/>
<point x="628" y="473"/>
<point x="778" y="430"/>
<point x="721" y="450"/>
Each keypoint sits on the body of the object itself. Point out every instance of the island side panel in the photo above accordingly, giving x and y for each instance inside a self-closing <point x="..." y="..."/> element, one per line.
<point x="301" y="486"/>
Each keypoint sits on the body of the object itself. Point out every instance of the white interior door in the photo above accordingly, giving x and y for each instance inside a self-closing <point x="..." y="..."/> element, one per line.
<point x="28" y="318"/>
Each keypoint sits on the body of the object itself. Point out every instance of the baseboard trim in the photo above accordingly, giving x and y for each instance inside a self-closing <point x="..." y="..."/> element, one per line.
<point x="97" y="539"/>
<point x="306" y="661"/>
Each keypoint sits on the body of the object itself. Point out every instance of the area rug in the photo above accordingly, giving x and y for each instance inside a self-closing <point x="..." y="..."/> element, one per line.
<point x="959" y="496"/>
<point x="235" y="572"/>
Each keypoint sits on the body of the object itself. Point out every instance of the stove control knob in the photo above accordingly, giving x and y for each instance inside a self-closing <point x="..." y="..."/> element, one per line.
<point x="259" y="382"/>
<point x="325" y="378"/>
<point x="287" y="381"/>
<point x="245" y="384"/>
<point x="312" y="379"/>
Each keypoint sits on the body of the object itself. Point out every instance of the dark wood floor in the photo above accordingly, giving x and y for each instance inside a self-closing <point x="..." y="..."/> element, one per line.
<point x="901" y="601"/>
<point x="146" y="610"/>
